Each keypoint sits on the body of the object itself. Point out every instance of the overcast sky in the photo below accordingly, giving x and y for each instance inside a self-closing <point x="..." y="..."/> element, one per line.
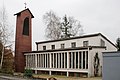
<point x="95" y="15"/>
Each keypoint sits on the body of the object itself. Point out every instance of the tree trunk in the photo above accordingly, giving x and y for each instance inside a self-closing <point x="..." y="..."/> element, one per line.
<point x="2" y="58"/>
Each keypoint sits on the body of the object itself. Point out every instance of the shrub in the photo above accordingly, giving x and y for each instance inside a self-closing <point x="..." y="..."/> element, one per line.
<point x="28" y="73"/>
<point x="7" y="71"/>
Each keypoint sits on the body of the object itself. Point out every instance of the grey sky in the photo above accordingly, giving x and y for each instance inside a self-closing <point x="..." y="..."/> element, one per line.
<point x="95" y="15"/>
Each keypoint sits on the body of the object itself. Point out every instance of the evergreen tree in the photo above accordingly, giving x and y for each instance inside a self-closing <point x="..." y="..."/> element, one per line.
<point x="66" y="28"/>
<point x="118" y="43"/>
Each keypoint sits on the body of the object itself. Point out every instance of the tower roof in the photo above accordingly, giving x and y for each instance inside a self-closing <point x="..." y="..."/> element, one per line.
<point x="23" y="11"/>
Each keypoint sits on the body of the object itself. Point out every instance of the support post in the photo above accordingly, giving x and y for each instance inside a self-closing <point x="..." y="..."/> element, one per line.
<point x="35" y="71"/>
<point x="89" y="63"/>
<point x="81" y="59"/>
<point x="78" y="60"/>
<point x="67" y="74"/>
<point x="35" y="56"/>
<point x="67" y="60"/>
<point x="64" y="59"/>
<point x="75" y="60"/>
<point x="35" y="60"/>
<point x="50" y="60"/>
<point x="56" y="59"/>
<point x="61" y="60"/>
<point x="50" y="73"/>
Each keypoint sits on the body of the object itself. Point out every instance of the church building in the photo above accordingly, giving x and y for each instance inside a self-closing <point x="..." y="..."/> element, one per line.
<point x="76" y="56"/>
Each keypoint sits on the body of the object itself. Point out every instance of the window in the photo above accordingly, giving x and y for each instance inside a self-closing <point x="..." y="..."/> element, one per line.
<point x="102" y="43"/>
<point x="26" y="26"/>
<point x="44" y="47"/>
<point x="53" y="47"/>
<point x="85" y="43"/>
<point x="73" y="45"/>
<point x="62" y="46"/>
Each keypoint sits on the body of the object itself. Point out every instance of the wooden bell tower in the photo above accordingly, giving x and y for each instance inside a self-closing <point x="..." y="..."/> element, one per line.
<point x="23" y="40"/>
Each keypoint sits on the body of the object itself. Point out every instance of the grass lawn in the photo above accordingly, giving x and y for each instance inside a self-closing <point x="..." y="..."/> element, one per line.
<point x="67" y="78"/>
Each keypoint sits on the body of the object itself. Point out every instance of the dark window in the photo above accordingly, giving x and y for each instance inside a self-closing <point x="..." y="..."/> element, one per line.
<point x="65" y="59"/>
<point x="53" y="46"/>
<point x="73" y="45"/>
<point x="83" y="59"/>
<point x="26" y="26"/>
<point x="44" y="47"/>
<point x="44" y="60"/>
<point x="102" y="43"/>
<point x="60" y="59"/>
<point x="55" y="60"/>
<point x="80" y="57"/>
<point x="52" y="60"/>
<point x="73" y="62"/>
<point x="62" y="46"/>
<point x="86" y="59"/>
<point x="76" y="59"/>
<point x="85" y="43"/>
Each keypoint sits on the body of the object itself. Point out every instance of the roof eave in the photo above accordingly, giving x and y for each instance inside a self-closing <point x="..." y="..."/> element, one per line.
<point x="24" y="10"/>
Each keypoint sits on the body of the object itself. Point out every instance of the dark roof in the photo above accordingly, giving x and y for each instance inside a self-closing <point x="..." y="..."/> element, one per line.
<point x="84" y="36"/>
<point x="111" y="54"/>
<point x="67" y="49"/>
<point x="23" y="11"/>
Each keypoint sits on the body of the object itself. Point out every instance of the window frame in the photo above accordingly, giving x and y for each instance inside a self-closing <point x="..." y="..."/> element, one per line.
<point x="102" y="42"/>
<point x="85" y="43"/>
<point x="62" y="46"/>
<point x="52" y="47"/>
<point x="44" y="47"/>
<point x="73" y="44"/>
<point x="26" y="26"/>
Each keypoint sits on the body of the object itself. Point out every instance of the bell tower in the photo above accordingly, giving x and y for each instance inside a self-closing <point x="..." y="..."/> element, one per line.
<point x="23" y="40"/>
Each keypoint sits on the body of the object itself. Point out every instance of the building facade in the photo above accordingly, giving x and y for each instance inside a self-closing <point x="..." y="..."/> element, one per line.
<point x="23" y="40"/>
<point x="77" y="56"/>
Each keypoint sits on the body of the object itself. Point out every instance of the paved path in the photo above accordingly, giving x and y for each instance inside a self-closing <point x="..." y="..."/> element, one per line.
<point x="14" y="78"/>
<point x="10" y="78"/>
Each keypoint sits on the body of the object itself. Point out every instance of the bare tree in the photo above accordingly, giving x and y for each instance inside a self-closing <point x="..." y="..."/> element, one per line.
<point x="70" y="27"/>
<point x="4" y="32"/>
<point x="76" y="29"/>
<point x="57" y="28"/>
<point x="52" y="22"/>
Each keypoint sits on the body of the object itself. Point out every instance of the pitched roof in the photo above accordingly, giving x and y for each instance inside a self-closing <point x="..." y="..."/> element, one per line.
<point x="23" y="11"/>
<point x="83" y="36"/>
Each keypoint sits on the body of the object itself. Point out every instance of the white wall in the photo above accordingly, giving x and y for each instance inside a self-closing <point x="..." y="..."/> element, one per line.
<point x="93" y="41"/>
<point x="109" y="46"/>
<point x="93" y="52"/>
